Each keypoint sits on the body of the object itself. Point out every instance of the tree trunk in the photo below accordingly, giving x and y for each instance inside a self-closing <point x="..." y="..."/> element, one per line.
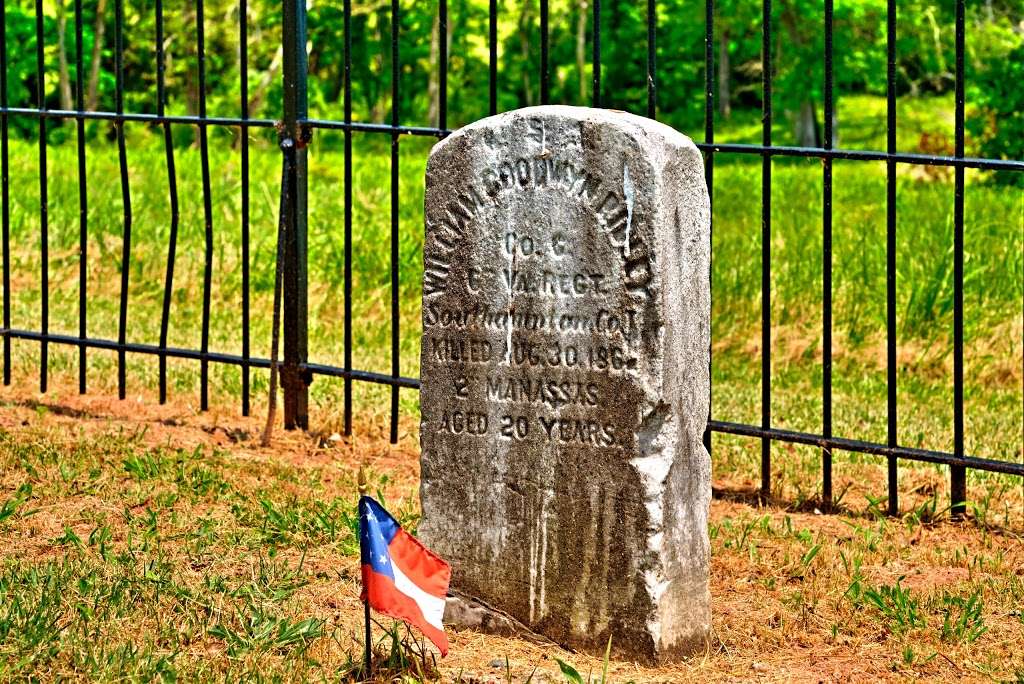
<point x="433" y="76"/>
<point x="808" y="132"/>
<point x="806" y="129"/>
<point x="267" y="79"/>
<point x="97" y="53"/>
<point x="581" y="49"/>
<point x="62" y="57"/>
<point x="724" y="94"/>
<point x="380" y="99"/>
<point x="524" y="45"/>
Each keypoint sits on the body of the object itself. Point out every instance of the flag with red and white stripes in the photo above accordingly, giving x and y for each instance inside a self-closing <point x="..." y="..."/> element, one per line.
<point x="401" y="577"/>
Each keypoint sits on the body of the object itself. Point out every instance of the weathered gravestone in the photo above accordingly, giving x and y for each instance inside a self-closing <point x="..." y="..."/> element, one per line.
<point x="566" y="305"/>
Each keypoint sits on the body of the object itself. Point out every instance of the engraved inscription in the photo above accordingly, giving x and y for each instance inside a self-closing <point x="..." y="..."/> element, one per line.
<point x="564" y="289"/>
<point x="611" y="208"/>
<point x="565" y="350"/>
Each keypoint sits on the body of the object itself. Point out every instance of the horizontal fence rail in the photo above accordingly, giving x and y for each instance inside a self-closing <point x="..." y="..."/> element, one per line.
<point x="295" y="129"/>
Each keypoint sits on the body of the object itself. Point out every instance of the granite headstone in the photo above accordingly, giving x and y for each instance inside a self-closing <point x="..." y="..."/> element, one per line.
<point x="566" y="305"/>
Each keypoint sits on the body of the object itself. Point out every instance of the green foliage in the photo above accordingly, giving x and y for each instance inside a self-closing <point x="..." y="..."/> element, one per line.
<point x="11" y="505"/>
<point x="901" y="611"/>
<point x="260" y="630"/>
<point x="925" y="55"/>
<point x="996" y="92"/>
<point x="962" y="618"/>
<point x="572" y="675"/>
<point x="569" y="672"/>
<point x="21" y="64"/>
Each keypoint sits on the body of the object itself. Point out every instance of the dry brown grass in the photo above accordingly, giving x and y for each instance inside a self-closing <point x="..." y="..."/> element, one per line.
<point x="789" y="587"/>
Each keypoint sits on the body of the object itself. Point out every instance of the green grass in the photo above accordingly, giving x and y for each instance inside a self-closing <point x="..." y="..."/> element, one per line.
<point x="192" y="549"/>
<point x="861" y="124"/>
<point x="124" y="556"/>
<point x="994" y="280"/>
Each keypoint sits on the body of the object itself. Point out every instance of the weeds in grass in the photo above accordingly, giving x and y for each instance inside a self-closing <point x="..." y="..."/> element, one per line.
<point x="737" y="534"/>
<point x="808" y="558"/>
<point x="11" y="505"/>
<point x="146" y="465"/>
<point x="963" y="619"/>
<point x="200" y="481"/>
<point x="981" y="508"/>
<point x="198" y="565"/>
<point x="870" y="537"/>
<point x="854" y="591"/>
<point x="926" y="513"/>
<point x="572" y="675"/>
<point x="876" y="506"/>
<point x="99" y="537"/>
<point x="897" y="606"/>
<point x="258" y="630"/>
<point x="69" y="538"/>
<point x="398" y="656"/>
<point x="279" y="522"/>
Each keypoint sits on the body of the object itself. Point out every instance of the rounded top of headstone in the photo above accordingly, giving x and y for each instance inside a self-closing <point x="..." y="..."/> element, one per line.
<point x="638" y="127"/>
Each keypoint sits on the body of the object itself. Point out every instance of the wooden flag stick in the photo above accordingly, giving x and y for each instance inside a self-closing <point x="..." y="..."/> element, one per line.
<point x="368" y="654"/>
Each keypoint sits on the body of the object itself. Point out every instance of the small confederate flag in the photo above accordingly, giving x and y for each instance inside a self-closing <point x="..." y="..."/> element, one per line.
<point x="401" y="577"/>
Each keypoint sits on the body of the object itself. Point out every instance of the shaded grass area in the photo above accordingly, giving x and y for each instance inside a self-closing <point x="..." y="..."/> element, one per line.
<point x="167" y="545"/>
<point x="924" y="124"/>
<point x="994" y="282"/>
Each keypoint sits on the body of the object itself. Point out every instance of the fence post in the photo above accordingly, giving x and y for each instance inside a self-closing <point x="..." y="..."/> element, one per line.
<point x="295" y="136"/>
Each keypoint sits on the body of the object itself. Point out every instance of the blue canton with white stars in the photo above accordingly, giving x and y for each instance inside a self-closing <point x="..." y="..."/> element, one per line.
<point x="376" y="530"/>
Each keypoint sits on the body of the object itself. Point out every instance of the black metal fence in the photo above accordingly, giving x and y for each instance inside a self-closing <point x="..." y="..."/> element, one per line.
<point x="295" y="129"/>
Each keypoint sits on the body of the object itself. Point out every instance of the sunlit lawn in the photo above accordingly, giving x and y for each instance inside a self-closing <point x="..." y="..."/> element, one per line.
<point x="143" y="543"/>
<point x="994" y="281"/>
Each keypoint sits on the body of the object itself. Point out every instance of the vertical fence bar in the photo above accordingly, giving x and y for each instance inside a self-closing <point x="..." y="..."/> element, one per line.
<point x="652" y="47"/>
<point x="492" y="60"/>
<point x="348" y="217"/>
<point x="243" y="131"/>
<point x="709" y="156"/>
<point x="83" y="200"/>
<point x="766" y="248"/>
<point x="44" y="204"/>
<point x="126" y="199"/>
<point x="5" y="209"/>
<point x="172" y="195"/>
<point x="204" y="158"/>
<point x="442" y="70"/>
<point x="396" y="73"/>
<point x="890" y="251"/>
<point x="596" y="57"/>
<point x="294" y="377"/>
<point x="826" y="268"/>
<point x="958" y="474"/>
<point x="545" y="66"/>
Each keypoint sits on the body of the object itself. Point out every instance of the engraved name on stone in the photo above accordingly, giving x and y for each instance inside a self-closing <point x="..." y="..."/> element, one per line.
<point x="564" y="375"/>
